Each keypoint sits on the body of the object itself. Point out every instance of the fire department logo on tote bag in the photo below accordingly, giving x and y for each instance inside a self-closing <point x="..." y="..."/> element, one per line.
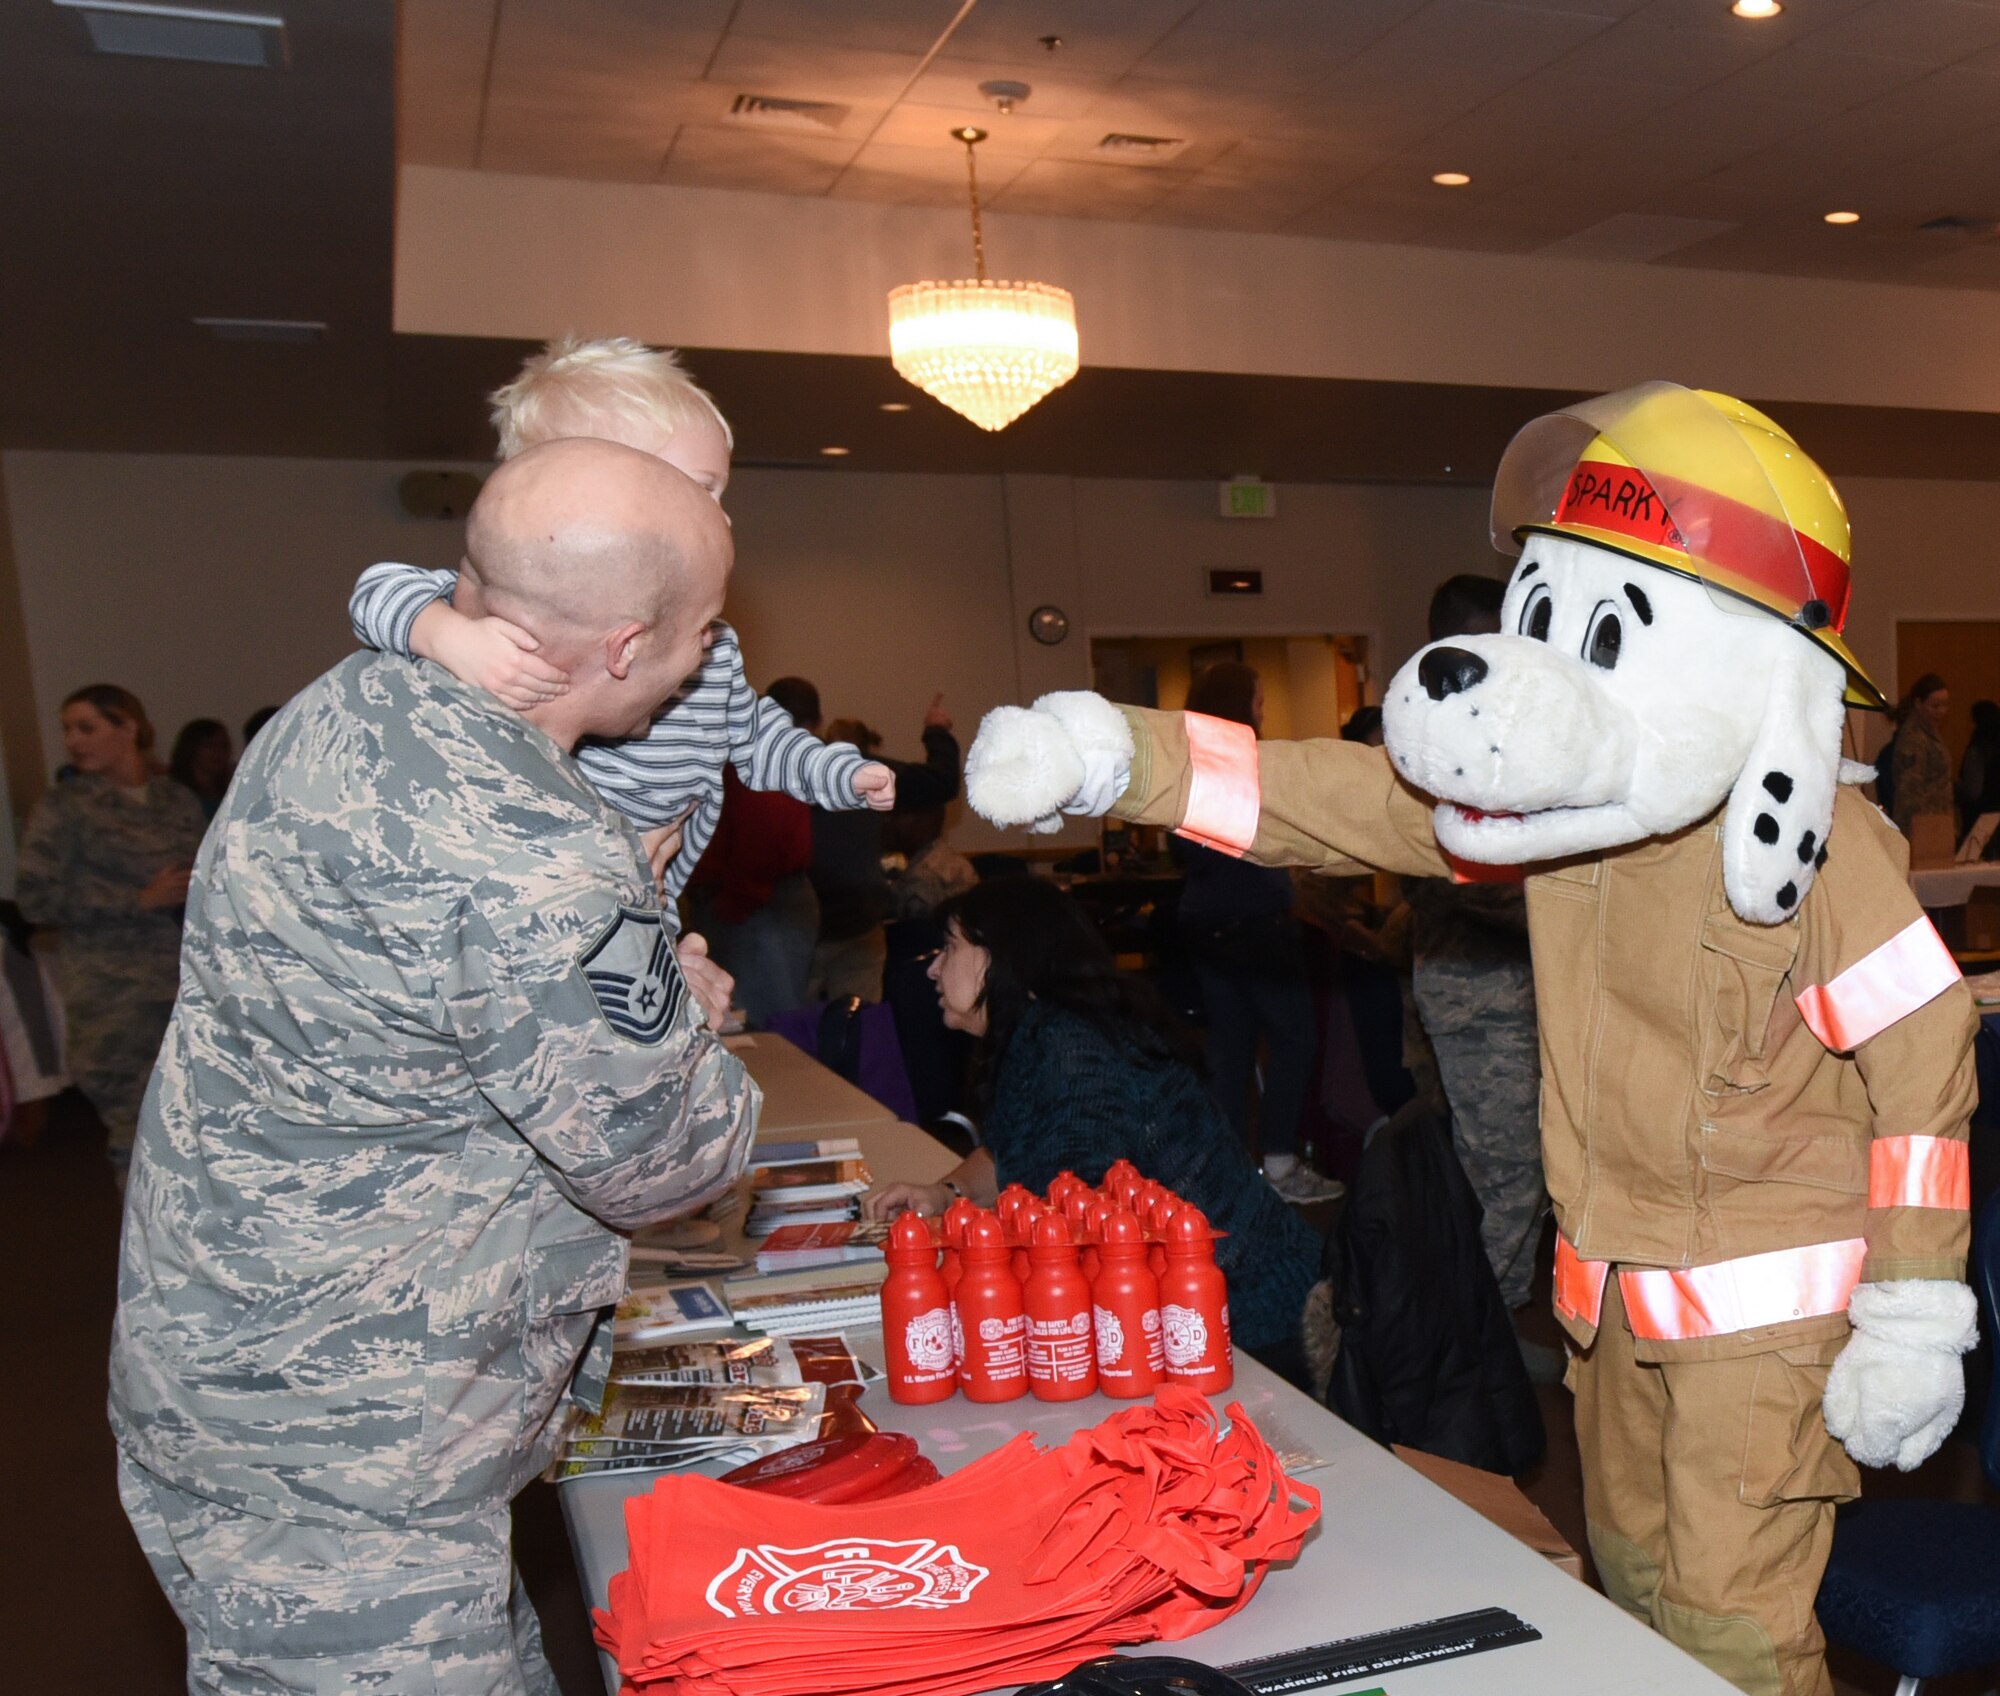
<point x="851" y="1576"/>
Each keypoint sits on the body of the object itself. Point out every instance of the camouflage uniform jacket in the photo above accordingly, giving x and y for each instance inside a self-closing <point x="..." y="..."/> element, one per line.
<point x="89" y="848"/>
<point x="431" y="1053"/>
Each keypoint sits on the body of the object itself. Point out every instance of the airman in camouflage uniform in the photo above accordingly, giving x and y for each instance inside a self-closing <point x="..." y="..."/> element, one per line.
<point x="90" y="847"/>
<point x="432" y="1053"/>
<point x="1475" y="991"/>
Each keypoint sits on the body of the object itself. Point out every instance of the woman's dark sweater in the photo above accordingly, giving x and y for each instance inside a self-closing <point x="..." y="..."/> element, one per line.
<point x="1069" y="1097"/>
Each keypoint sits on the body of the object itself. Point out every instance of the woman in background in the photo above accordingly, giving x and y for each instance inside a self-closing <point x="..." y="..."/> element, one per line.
<point x="1078" y="1066"/>
<point x="1979" y="769"/>
<point x="1236" y="919"/>
<point x="1920" y="762"/>
<point x="106" y="859"/>
<point x="204" y="759"/>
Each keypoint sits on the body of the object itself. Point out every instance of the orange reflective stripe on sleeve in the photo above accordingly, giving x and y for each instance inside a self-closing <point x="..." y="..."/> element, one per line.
<point x="1736" y="1295"/>
<point x="1919" y="1172"/>
<point x="1223" y="794"/>
<point x="1471" y="871"/>
<point x="1913" y="967"/>
<point x="1579" y="1289"/>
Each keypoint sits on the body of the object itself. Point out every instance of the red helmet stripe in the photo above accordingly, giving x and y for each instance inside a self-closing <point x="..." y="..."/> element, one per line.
<point x="1709" y="528"/>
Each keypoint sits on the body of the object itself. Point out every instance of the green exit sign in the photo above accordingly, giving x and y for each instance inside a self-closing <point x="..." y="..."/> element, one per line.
<point x="1247" y="497"/>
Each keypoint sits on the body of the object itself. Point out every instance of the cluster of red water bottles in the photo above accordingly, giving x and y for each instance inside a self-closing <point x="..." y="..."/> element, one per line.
<point x="1111" y="1288"/>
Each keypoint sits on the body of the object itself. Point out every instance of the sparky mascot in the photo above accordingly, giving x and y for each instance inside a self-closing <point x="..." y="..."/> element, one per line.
<point x="1756" y="1052"/>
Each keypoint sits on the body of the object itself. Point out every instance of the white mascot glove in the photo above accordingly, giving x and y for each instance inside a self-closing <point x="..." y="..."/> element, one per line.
<point x="1069" y="753"/>
<point x="1896" y="1390"/>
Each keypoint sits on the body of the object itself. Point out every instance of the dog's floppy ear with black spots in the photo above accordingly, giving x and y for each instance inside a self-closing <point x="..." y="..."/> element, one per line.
<point x="1774" y="832"/>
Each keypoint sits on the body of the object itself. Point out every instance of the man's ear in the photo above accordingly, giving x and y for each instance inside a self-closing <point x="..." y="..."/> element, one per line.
<point x="621" y="648"/>
<point x="1774" y="833"/>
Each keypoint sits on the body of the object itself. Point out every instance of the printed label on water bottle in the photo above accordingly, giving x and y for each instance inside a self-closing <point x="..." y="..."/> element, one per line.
<point x="1155" y="1352"/>
<point x="1110" y="1339"/>
<point x="1059" y="1349"/>
<point x="927" y="1341"/>
<point x="1187" y="1336"/>
<point x="1000" y="1342"/>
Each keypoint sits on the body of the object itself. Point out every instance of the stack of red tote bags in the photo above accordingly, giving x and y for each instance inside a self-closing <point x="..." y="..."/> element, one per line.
<point x="1156" y="1524"/>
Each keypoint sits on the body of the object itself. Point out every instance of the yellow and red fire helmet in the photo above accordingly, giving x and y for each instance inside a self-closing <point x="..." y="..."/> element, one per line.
<point x="1697" y="483"/>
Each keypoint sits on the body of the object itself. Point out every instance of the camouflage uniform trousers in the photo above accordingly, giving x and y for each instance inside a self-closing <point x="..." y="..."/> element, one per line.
<point x="114" y="1033"/>
<point x="276" y="1608"/>
<point x="1490" y="1065"/>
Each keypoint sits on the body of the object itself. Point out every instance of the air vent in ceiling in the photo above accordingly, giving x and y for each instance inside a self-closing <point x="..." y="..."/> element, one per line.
<point x="1139" y="149"/>
<point x="1959" y="224"/>
<point x="768" y="112"/>
<point x="142" y="30"/>
<point x="263" y="329"/>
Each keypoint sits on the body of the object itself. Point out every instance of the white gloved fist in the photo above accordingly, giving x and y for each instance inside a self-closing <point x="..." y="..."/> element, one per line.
<point x="1069" y="753"/>
<point x="1898" y="1387"/>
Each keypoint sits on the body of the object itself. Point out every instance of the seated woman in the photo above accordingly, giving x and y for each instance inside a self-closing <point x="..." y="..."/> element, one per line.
<point x="1076" y="1067"/>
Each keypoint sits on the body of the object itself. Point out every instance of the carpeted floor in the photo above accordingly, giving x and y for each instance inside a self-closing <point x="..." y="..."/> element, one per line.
<point x="80" y="1614"/>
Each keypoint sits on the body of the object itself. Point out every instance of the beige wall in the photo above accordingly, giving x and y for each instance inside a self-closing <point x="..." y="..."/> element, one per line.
<point x="211" y="586"/>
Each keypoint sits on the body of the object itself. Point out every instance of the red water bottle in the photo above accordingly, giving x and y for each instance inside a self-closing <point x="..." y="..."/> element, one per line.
<point x="916" y="1317"/>
<point x="1060" y="1186"/>
<point x="1194" y="1307"/>
<point x="991" y="1313"/>
<point x="1161" y="1206"/>
<point x="1125" y="1310"/>
<point x="1008" y="1204"/>
<point x="1061" y="1361"/>
<point x="1093" y="1234"/>
<point x="951" y="1230"/>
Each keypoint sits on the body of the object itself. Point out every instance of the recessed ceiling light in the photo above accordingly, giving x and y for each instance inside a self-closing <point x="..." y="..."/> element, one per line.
<point x="1450" y="179"/>
<point x="1757" y="8"/>
<point x="151" y="29"/>
<point x="835" y="453"/>
<point x="1843" y="217"/>
<point x="895" y="406"/>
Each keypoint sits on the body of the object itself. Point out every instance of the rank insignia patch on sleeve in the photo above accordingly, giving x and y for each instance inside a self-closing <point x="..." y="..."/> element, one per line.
<point x="632" y="972"/>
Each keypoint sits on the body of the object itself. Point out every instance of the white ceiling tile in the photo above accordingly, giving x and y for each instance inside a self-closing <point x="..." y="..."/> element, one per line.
<point x="912" y="125"/>
<point x="441" y="57"/>
<point x="1055" y="94"/>
<point x="1832" y="81"/>
<point x="1799" y="19"/>
<point x="713" y="156"/>
<point x="1934" y="33"/>
<point x="905" y="27"/>
<point x="802" y="70"/>
<point x="1067" y="188"/>
<point x="1273" y="46"/>
<point x="1097" y="40"/>
<point x="1639" y="50"/>
<point x="1462" y="46"/>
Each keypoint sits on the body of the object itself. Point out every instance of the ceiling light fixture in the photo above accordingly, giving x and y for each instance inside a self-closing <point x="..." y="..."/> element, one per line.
<point x="895" y="406"/>
<point x="1450" y="179"/>
<point x="1754" y="9"/>
<point x="988" y="350"/>
<point x="1843" y="217"/>
<point x="150" y="29"/>
<point x="836" y="453"/>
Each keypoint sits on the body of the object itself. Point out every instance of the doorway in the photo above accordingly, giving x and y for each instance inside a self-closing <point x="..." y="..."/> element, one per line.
<point x="1966" y="654"/>
<point x="1312" y="684"/>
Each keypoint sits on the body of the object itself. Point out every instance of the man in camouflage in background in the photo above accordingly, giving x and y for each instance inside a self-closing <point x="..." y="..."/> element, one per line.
<point x="432" y="1052"/>
<point x="1475" y="992"/>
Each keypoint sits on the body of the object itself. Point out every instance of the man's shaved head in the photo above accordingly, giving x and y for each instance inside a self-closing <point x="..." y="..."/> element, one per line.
<point x="580" y="535"/>
<point x="613" y="561"/>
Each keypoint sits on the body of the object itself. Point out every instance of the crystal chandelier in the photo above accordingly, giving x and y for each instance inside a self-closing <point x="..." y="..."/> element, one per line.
<point x="989" y="350"/>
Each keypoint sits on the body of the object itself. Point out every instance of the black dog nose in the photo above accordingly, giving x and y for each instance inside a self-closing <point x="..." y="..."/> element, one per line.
<point x="1449" y="671"/>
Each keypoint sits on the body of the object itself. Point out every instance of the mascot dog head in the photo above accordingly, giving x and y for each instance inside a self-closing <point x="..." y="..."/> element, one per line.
<point x="1670" y="641"/>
